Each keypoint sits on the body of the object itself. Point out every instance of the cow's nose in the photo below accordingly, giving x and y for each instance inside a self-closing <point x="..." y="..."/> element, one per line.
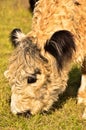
<point x="26" y="114"/>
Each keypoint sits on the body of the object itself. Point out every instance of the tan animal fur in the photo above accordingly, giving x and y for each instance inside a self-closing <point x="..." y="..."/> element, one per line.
<point x="49" y="16"/>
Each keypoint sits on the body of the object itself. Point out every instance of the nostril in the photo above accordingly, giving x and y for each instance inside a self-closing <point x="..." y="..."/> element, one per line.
<point x="26" y="114"/>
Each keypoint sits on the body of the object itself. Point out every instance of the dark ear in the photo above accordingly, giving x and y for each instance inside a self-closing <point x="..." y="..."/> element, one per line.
<point x="61" y="45"/>
<point x="16" y="36"/>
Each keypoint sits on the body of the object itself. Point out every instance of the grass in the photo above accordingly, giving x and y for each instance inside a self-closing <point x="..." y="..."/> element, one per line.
<point x="67" y="114"/>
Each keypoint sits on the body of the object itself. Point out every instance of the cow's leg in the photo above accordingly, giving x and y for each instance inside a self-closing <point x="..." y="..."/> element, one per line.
<point x="82" y="89"/>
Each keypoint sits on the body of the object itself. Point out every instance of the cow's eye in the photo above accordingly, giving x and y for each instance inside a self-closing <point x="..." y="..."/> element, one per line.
<point x="31" y="79"/>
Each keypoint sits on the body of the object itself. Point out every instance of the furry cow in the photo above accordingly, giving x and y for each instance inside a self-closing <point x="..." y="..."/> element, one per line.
<point x="39" y="67"/>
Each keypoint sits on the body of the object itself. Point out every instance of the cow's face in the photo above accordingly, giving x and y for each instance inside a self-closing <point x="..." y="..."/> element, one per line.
<point x="29" y="76"/>
<point x="35" y="79"/>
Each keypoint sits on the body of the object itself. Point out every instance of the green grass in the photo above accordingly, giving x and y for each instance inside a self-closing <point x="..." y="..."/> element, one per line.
<point x="67" y="114"/>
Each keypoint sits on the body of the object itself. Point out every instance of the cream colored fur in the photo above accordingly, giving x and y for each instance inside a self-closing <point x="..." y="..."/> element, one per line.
<point x="49" y="16"/>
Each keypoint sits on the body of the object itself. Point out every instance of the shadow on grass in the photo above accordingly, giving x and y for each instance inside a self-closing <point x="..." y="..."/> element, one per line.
<point x="72" y="87"/>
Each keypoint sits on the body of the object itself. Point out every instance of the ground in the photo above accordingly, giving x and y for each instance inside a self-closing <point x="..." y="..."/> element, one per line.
<point x="66" y="114"/>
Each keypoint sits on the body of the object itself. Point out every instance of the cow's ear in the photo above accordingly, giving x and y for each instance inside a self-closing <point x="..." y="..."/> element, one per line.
<point x="61" y="45"/>
<point x="16" y="36"/>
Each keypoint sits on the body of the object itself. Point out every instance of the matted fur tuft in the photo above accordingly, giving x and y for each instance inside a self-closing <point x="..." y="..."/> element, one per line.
<point x="61" y="45"/>
<point x="16" y="36"/>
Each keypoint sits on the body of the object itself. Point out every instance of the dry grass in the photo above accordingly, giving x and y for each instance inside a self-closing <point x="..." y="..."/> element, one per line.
<point x="67" y="114"/>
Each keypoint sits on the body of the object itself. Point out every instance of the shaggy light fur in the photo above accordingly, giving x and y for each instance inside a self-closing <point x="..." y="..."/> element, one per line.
<point x="33" y="72"/>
